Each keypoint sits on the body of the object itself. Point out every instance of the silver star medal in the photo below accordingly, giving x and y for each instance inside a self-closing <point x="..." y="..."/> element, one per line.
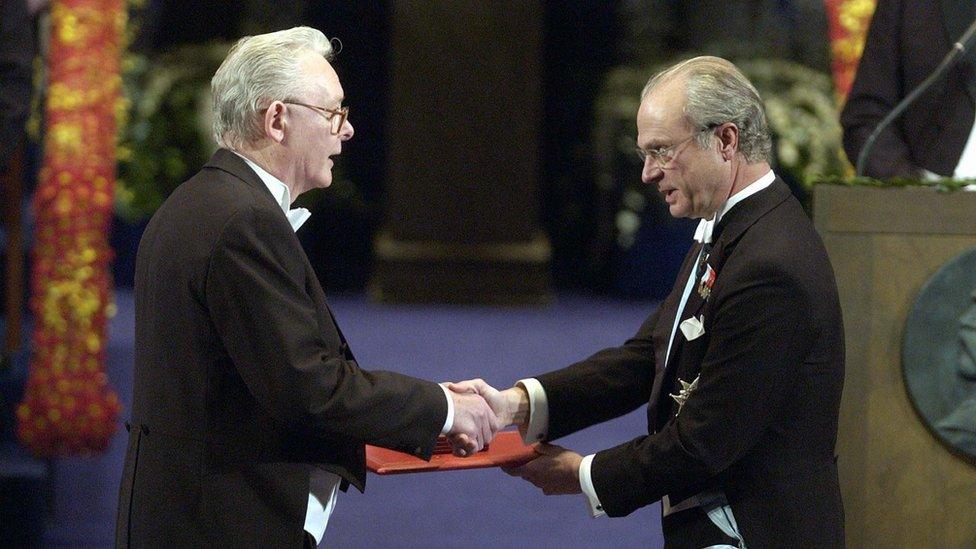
<point x="685" y="392"/>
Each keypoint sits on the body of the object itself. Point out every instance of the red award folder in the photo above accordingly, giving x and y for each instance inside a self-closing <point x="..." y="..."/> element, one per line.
<point x="506" y="448"/>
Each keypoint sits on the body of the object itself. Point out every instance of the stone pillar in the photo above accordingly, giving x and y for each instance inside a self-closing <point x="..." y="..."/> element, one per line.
<point x="462" y="223"/>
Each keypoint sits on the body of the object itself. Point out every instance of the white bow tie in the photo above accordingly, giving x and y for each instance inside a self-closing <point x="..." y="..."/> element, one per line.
<point x="297" y="217"/>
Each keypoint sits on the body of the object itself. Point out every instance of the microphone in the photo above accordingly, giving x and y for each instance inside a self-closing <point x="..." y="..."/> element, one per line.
<point x="955" y="54"/>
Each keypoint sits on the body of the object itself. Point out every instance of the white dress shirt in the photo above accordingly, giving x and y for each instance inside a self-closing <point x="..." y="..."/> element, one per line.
<point x="538" y="422"/>
<point x="323" y="485"/>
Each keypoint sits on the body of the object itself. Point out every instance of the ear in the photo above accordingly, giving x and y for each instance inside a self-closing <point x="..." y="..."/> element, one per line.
<point x="274" y="121"/>
<point x="728" y="137"/>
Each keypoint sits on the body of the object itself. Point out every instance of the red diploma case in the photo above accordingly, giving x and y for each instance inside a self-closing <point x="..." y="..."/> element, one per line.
<point x="506" y="448"/>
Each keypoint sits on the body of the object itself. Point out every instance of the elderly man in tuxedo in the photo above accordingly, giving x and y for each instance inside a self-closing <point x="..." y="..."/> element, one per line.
<point x="742" y="365"/>
<point x="249" y="409"/>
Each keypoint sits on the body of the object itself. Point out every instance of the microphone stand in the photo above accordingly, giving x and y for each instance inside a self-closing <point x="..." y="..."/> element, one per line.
<point x="951" y="58"/>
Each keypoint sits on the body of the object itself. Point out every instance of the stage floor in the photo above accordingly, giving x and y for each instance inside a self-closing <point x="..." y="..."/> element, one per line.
<point x="474" y="508"/>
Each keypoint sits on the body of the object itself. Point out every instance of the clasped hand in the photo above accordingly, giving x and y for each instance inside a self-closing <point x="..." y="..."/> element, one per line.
<point x="475" y="422"/>
<point x="554" y="471"/>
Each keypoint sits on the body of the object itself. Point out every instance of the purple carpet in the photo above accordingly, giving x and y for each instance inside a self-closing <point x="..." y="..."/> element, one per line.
<point x="480" y="508"/>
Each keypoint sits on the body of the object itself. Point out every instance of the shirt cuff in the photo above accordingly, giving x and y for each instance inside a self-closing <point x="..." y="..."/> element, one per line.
<point x="537" y="427"/>
<point x="449" y="421"/>
<point x="586" y="484"/>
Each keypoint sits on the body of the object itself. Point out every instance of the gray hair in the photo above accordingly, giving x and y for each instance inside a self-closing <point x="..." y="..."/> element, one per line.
<point x="258" y="70"/>
<point x="716" y="92"/>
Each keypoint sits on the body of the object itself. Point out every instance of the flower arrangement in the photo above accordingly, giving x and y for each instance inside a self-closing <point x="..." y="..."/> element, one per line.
<point x="68" y="407"/>
<point x="803" y="118"/>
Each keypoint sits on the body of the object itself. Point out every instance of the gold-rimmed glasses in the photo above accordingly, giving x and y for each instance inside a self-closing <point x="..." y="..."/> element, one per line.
<point x="336" y="117"/>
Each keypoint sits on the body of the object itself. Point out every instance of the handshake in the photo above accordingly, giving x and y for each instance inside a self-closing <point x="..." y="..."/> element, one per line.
<point x="480" y="411"/>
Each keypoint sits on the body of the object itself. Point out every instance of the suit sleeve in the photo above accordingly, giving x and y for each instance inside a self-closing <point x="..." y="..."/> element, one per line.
<point x="607" y="385"/>
<point x="878" y="87"/>
<point x="760" y="334"/>
<point x="256" y="292"/>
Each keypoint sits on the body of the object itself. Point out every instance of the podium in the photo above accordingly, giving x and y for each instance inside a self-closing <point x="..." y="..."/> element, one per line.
<point x="902" y="486"/>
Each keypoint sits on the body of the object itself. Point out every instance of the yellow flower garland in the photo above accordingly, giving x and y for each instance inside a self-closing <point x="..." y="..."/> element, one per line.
<point x="848" y="21"/>
<point x="68" y="407"/>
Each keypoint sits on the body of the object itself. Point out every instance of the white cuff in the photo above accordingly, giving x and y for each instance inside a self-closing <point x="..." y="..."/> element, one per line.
<point x="586" y="484"/>
<point x="449" y="421"/>
<point x="537" y="427"/>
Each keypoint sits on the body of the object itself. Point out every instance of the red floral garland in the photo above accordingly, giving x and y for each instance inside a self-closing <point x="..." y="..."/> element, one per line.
<point x="68" y="407"/>
<point x="848" y="21"/>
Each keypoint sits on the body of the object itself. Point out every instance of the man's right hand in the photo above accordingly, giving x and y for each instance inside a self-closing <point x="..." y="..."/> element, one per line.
<point x="475" y="424"/>
<point x="511" y="405"/>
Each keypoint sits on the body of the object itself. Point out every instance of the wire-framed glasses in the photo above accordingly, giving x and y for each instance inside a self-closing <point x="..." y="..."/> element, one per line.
<point x="336" y="117"/>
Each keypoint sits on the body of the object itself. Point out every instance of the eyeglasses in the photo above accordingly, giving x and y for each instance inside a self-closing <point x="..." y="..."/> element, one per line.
<point x="663" y="156"/>
<point x="336" y="117"/>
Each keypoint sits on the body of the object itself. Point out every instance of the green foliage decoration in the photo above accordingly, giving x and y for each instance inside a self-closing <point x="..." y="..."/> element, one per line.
<point x="941" y="185"/>
<point x="166" y="128"/>
<point x="803" y="118"/>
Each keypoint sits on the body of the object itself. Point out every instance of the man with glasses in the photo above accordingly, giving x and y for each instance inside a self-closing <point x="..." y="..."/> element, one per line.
<point x="249" y="410"/>
<point x="741" y="366"/>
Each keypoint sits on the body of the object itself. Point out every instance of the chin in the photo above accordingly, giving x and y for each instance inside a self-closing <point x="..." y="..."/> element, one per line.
<point x="325" y="181"/>
<point x="677" y="211"/>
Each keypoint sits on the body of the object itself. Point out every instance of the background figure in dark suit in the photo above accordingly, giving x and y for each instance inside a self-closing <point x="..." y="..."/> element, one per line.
<point x="742" y="365"/>
<point x="905" y="43"/>
<point x="249" y="410"/>
<point x="16" y="57"/>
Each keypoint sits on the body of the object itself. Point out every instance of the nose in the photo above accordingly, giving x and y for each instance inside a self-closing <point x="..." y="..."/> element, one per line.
<point x="652" y="172"/>
<point x="346" y="131"/>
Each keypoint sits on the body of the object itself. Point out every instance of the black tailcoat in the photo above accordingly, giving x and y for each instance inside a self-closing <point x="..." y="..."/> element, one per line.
<point x="243" y="381"/>
<point x="762" y="423"/>
<point x="906" y="41"/>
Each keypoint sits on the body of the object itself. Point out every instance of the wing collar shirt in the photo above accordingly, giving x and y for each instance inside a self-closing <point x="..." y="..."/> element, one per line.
<point x="323" y="485"/>
<point x="535" y="429"/>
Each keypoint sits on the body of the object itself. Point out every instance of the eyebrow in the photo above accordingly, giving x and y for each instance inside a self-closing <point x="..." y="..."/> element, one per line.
<point x="653" y="144"/>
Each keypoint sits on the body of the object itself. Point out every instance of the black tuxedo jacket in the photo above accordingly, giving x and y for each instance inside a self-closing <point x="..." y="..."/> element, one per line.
<point x="905" y="43"/>
<point x="243" y="381"/>
<point x="762" y="423"/>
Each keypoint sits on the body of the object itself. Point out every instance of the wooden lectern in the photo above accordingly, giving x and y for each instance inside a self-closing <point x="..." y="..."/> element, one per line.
<point x="902" y="487"/>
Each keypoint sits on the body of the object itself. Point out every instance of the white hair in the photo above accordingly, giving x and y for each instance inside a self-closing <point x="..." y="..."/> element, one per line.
<point x="716" y="92"/>
<point x="258" y="70"/>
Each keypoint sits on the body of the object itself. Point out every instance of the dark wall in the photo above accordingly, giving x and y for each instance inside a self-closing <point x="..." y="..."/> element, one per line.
<point x="580" y="45"/>
<point x="582" y="39"/>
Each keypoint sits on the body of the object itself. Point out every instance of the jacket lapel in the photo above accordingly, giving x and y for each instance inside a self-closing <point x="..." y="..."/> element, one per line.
<point x="662" y="330"/>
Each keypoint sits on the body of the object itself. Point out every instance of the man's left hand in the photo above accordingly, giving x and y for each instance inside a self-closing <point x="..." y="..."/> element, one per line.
<point x="555" y="470"/>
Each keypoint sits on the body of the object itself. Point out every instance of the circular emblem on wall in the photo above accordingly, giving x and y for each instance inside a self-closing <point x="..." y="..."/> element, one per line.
<point x="939" y="353"/>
